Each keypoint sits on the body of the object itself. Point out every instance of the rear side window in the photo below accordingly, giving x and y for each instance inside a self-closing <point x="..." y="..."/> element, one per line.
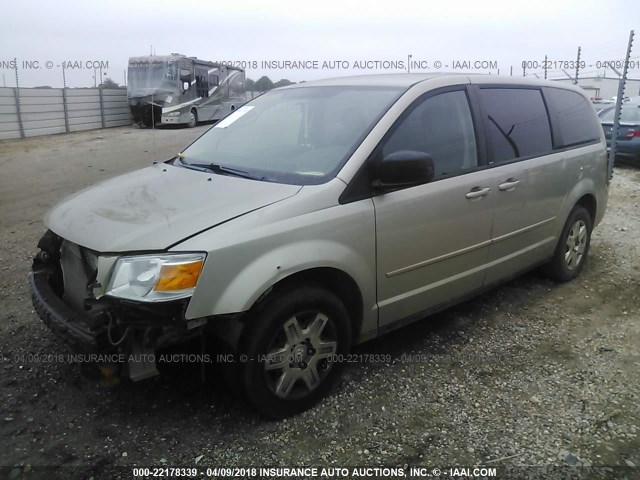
<point x="574" y="115"/>
<point x="517" y="123"/>
<point x="442" y="127"/>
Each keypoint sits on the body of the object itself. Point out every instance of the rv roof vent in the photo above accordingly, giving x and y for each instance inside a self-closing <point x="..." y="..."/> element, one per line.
<point x="182" y="55"/>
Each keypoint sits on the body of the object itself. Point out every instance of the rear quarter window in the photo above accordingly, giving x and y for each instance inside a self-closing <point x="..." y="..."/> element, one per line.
<point x="574" y="118"/>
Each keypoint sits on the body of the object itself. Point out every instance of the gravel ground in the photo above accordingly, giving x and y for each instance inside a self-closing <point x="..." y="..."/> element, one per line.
<point x="532" y="373"/>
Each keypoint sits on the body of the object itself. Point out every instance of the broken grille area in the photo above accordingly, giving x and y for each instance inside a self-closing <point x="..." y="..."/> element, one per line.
<point x="79" y="268"/>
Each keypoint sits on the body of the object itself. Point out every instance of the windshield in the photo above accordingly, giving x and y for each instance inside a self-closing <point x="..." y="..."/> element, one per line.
<point x="300" y="136"/>
<point x="150" y="77"/>
<point x="627" y="115"/>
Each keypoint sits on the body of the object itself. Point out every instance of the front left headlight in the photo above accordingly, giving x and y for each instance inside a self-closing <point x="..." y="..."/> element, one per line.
<point x="155" y="278"/>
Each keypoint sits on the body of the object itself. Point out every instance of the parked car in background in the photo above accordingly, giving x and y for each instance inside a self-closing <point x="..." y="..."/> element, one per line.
<point x="599" y="105"/>
<point x="322" y="215"/>
<point x="628" y="140"/>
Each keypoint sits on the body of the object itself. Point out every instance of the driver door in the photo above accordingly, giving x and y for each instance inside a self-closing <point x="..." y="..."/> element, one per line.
<point x="433" y="239"/>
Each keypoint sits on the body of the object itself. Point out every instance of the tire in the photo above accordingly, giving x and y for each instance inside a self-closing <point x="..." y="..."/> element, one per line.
<point x="193" y="119"/>
<point x="573" y="246"/>
<point x="289" y="347"/>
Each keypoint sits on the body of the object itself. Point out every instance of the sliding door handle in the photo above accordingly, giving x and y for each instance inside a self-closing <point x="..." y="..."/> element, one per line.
<point x="509" y="184"/>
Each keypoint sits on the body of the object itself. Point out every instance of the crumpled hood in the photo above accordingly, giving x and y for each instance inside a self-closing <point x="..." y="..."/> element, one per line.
<point x="156" y="207"/>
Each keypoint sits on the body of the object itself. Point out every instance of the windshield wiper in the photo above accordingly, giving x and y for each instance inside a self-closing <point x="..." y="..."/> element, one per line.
<point x="222" y="170"/>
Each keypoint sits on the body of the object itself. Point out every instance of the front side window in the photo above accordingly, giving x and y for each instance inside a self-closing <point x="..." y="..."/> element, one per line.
<point x="300" y="136"/>
<point x="517" y="123"/>
<point x="442" y="127"/>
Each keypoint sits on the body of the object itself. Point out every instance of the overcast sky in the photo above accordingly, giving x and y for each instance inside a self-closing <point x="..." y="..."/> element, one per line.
<point x="446" y="31"/>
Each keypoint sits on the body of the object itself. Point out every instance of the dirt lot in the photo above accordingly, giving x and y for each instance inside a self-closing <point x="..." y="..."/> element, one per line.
<point x="532" y="373"/>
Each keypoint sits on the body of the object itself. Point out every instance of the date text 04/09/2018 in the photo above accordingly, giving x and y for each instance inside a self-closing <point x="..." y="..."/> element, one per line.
<point x="312" y="472"/>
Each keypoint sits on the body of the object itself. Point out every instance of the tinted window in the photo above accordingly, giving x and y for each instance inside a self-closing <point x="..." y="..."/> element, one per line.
<point x="517" y="122"/>
<point x="202" y="83"/>
<point x="574" y="116"/>
<point x="441" y="126"/>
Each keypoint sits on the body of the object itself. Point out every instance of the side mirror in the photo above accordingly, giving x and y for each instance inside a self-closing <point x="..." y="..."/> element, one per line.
<point x="404" y="168"/>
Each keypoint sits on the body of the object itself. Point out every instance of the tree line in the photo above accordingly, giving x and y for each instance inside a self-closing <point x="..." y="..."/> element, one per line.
<point x="264" y="84"/>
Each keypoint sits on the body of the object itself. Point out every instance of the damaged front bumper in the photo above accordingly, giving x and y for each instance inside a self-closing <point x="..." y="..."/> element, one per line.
<point x="83" y="333"/>
<point x="106" y="325"/>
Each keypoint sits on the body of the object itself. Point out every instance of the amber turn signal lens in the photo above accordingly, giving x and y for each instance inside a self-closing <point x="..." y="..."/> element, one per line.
<point x="178" y="277"/>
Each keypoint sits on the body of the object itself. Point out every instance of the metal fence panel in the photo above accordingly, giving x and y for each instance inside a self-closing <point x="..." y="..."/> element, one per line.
<point x="31" y="112"/>
<point x="9" y="126"/>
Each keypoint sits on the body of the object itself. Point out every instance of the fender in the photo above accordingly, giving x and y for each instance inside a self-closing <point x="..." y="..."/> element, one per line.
<point x="274" y="266"/>
<point x="250" y="255"/>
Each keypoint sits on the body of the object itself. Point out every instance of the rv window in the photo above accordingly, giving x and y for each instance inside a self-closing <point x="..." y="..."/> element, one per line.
<point x="213" y="81"/>
<point x="236" y="83"/>
<point x="202" y="83"/>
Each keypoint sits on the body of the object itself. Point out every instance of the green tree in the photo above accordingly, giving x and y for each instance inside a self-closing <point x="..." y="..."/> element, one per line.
<point x="283" y="83"/>
<point x="108" y="83"/>
<point x="263" y="84"/>
<point x="250" y="85"/>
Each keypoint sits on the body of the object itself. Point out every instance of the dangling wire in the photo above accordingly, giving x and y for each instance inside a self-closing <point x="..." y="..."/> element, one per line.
<point x="124" y="335"/>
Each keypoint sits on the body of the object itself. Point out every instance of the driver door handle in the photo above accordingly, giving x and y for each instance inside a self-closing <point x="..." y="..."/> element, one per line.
<point x="477" y="192"/>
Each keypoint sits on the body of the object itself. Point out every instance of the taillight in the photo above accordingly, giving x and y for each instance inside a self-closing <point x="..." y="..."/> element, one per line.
<point x="633" y="133"/>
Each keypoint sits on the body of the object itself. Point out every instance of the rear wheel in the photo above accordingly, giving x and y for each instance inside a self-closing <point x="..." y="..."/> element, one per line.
<point x="573" y="246"/>
<point x="291" y="348"/>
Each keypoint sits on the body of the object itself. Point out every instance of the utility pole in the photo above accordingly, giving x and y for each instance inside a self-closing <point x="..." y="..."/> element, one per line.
<point x="16" y="94"/>
<point x="616" y="118"/>
<point x="575" y="82"/>
<point x="65" y="100"/>
<point x="545" y="67"/>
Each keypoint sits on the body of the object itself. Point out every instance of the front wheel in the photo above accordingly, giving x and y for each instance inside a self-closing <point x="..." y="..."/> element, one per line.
<point x="291" y="350"/>
<point x="193" y="119"/>
<point x="573" y="246"/>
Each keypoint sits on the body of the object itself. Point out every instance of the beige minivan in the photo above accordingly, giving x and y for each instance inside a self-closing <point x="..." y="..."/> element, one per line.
<point x="321" y="215"/>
